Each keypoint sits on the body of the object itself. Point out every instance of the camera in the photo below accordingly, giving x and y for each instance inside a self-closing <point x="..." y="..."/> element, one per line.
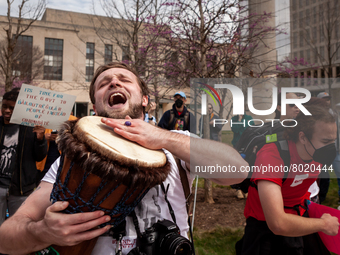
<point x="162" y="238"/>
<point x="54" y="131"/>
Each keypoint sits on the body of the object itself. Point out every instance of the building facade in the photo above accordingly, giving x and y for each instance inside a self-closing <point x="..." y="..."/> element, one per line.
<point x="315" y="44"/>
<point x="71" y="53"/>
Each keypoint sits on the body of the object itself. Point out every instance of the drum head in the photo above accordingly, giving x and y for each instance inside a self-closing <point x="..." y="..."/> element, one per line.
<point x="102" y="139"/>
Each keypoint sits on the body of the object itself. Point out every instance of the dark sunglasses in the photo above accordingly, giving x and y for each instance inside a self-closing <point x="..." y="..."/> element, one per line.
<point x="291" y="105"/>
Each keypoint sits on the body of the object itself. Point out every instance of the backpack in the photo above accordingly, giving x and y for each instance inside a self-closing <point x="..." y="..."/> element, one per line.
<point x="253" y="139"/>
<point x="186" y="118"/>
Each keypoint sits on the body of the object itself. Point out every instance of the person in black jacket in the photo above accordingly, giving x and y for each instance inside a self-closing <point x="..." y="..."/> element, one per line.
<point x="178" y="118"/>
<point x="21" y="147"/>
<point x="214" y="131"/>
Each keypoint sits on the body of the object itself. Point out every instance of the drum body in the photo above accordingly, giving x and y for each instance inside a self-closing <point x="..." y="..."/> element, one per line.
<point x="87" y="192"/>
<point x="90" y="181"/>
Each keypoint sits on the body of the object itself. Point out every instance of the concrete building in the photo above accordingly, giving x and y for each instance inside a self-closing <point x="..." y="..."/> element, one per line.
<point x="315" y="38"/>
<point x="72" y="51"/>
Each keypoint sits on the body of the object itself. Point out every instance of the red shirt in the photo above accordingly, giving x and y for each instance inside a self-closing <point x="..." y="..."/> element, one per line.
<point x="294" y="189"/>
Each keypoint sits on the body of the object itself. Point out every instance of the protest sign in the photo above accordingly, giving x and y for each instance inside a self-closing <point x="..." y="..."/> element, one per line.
<point x="43" y="107"/>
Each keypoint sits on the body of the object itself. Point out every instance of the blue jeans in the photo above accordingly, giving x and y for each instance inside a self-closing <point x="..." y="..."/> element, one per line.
<point x="336" y="167"/>
<point x="10" y="202"/>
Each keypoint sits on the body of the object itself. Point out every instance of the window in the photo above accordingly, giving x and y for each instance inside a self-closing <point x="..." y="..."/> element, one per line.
<point x="314" y="15"/>
<point x="323" y="76"/>
<point x="53" y="59"/>
<point x="337" y="32"/>
<point x="322" y="36"/>
<point x="309" y="75"/>
<point x="294" y="5"/>
<point x="302" y="80"/>
<point x="337" y="70"/>
<point x="301" y="39"/>
<point x="300" y="3"/>
<point x="301" y="19"/>
<point x="320" y="13"/>
<point x="108" y="54"/>
<point x="295" y="55"/>
<point x="308" y="56"/>
<point x="80" y="109"/>
<point x="307" y="17"/>
<point x="307" y="2"/>
<point x="295" y="20"/>
<point x="314" y="35"/>
<point x="295" y="39"/>
<point x="22" y="66"/>
<point x="89" y="61"/>
<point x="125" y="53"/>
<point x="322" y="53"/>
<point x="301" y="54"/>
<point x="296" y="82"/>
<point x="316" y="56"/>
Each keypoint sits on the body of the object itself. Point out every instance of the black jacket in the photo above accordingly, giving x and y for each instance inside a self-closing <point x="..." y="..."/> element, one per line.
<point x="213" y="130"/>
<point x="29" y="150"/>
<point x="164" y="122"/>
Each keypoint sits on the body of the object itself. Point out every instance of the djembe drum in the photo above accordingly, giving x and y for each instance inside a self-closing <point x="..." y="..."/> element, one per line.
<point x="100" y="170"/>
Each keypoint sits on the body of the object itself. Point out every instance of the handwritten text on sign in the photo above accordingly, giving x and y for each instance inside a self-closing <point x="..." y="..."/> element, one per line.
<point x="38" y="106"/>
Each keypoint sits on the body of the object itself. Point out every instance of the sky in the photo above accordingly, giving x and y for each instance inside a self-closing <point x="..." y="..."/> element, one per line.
<point x="83" y="6"/>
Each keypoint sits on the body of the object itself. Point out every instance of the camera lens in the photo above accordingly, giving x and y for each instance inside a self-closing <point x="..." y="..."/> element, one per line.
<point x="176" y="245"/>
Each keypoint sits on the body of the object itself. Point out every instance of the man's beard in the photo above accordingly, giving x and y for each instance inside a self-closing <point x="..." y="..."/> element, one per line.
<point x="135" y="111"/>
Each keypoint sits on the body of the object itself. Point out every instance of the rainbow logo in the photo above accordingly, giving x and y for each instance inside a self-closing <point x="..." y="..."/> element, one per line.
<point x="210" y="94"/>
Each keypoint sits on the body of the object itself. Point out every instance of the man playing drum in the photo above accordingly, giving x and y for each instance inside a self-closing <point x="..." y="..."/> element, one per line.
<point x="118" y="95"/>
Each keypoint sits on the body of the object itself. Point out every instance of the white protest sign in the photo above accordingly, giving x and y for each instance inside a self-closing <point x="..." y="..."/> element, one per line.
<point x="43" y="107"/>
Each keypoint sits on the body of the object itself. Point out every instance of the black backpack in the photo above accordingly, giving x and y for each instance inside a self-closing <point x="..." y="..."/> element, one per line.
<point x="253" y="139"/>
<point x="185" y="118"/>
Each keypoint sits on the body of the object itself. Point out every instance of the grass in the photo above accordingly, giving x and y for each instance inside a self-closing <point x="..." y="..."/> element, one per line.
<point x="227" y="137"/>
<point x="332" y="197"/>
<point x="219" y="241"/>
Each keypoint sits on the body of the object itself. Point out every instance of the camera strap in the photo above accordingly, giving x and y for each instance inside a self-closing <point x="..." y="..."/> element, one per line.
<point x="135" y="222"/>
<point x="172" y="213"/>
<point x="118" y="233"/>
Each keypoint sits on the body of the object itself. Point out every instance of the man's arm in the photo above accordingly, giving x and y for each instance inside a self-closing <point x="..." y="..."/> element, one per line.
<point x="285" y="224"/>
<point x="194" y="151"/>
<point x="38" y="224"/>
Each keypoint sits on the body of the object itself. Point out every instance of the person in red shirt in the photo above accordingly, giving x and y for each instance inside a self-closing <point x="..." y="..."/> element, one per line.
<point x="275" y="207"/>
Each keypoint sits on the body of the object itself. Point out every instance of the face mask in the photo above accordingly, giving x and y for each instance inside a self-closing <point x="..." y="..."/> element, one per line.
<point x="324" y="155"/>
<point x="178" y="103"/>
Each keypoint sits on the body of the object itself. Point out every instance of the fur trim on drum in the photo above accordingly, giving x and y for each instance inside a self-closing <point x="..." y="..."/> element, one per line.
<point x="110" y="169"/>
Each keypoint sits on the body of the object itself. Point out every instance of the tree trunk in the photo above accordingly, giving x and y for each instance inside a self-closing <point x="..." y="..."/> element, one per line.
<point x="208" y="194"/>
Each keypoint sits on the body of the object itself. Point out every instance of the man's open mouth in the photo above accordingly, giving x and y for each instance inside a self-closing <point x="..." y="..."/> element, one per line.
<point x="116" y="99"/>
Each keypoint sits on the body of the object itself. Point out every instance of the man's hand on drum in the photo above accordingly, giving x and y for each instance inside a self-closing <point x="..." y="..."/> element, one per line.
<point x="139" y="131"/>
<point x="71" y="229"/>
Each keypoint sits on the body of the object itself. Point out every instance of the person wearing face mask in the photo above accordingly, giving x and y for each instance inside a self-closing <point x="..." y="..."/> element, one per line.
<point x="178" y="118"/>
<point x="277" y="220"/>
